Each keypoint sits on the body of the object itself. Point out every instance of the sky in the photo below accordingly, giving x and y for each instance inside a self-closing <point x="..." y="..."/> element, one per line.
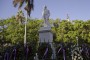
<point x="76" y="9"/>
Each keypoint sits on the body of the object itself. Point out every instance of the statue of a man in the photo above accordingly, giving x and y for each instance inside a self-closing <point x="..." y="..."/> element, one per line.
<point x="46" y="15"/>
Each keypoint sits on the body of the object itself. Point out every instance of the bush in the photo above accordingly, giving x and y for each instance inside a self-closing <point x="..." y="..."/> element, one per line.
<point x="41" y="50"/>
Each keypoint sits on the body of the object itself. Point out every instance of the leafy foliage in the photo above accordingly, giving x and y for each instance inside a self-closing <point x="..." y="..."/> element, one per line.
<point x="12" y="33"/>
<point x="42" y="49"/>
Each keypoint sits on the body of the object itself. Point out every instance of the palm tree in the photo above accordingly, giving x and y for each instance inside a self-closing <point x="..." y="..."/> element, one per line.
<point x="29" y="7"/>
<point x="20" y="17"/>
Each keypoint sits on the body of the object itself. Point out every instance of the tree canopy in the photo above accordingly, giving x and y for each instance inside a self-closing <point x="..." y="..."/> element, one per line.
<point x="64" y="31"/>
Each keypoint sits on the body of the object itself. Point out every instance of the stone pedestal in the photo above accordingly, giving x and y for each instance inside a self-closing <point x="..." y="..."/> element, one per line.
<point x="46" y="35"/>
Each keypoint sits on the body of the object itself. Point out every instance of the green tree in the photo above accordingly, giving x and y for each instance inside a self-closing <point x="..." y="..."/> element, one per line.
<point x="2" y="31"/>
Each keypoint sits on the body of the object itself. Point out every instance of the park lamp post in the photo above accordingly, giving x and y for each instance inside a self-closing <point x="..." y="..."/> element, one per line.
<point x="77" y="41"/>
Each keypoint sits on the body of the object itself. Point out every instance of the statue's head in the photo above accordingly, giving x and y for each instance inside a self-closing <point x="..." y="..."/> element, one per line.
<point x="45" y="7"/>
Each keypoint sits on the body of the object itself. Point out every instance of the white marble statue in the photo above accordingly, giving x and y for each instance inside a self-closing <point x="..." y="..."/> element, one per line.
<point x="46" y="15"/>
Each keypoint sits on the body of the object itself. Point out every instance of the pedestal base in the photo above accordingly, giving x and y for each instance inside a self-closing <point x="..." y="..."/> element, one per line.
<point x="45" y="34"/>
